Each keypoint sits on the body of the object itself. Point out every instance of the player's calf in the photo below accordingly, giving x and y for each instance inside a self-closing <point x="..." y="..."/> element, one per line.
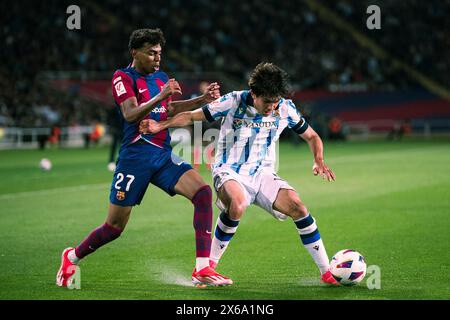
<point x="97" y="238"/>
<point x="202" y="202"/>
<point x="311" y="239"/>
<point x="224" y="232"/>
<point x="289" y="203"/>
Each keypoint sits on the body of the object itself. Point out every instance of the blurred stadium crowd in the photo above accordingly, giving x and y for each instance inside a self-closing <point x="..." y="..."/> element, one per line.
<point x="210" y="36"/>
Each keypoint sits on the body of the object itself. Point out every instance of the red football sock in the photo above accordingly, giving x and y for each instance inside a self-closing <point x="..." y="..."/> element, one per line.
<point x="97" y="238"/>
<point x="203" y="213"/>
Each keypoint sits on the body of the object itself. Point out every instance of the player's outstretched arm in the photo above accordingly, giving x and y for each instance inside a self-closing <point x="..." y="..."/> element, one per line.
<point x="182" y="119"/>
<point x="212" y="93"/>
<point x="316" y="146"/>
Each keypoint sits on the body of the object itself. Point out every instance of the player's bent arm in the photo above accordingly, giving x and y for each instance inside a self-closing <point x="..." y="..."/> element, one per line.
<point x="212" y="93"/>
<point x="132" y="112"/>
<point x="182" y="119"/>
<point x="176" y="107"/>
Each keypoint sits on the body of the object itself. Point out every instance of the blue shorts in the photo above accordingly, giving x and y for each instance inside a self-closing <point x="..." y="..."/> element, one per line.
<point x="141" y="164"/>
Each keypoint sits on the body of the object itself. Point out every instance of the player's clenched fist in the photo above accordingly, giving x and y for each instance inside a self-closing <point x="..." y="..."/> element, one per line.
<point x="212" y="92"/>
<point x="171" y="87"/>
<point x="149" y="126"/>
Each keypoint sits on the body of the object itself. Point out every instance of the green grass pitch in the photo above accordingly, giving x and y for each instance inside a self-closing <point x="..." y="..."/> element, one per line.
<point x="391" y="202"/>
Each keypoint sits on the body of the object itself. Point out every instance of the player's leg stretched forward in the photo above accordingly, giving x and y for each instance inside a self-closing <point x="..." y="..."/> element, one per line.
<point x="289" y="203"/>
<point x="233" y="197"/>
<point x="192" y="186"/>
<point x="112" y="228"/>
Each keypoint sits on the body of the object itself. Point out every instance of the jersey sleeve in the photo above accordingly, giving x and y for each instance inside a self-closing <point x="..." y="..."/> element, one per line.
<point x="122" y="87"/>
<point x="219" y="108"/>
<point x="296" y="121"/>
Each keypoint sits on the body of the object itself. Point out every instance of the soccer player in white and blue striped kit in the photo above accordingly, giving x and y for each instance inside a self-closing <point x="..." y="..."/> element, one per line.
<point x="244" y="168"/>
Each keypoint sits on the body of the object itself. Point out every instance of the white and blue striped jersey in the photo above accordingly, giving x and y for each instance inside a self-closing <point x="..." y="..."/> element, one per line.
<point x="247" y="139"/>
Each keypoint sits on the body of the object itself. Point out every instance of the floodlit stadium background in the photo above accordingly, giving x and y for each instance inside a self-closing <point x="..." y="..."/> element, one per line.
<point x="369" y="80"/>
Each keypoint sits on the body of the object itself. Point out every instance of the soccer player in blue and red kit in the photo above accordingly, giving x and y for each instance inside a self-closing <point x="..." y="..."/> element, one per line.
<point x="143" y="91"/>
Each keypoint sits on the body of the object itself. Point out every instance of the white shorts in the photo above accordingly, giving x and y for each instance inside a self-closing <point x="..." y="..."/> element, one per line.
<point x="260" y="189"/>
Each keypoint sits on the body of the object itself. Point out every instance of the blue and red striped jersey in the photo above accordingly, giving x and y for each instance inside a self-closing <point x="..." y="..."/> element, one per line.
<point x="127" y="83"/>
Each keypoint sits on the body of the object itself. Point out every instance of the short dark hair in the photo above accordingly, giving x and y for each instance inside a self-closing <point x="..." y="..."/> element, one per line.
<point x="140" y="37"/>
<point x="268" y="80"/>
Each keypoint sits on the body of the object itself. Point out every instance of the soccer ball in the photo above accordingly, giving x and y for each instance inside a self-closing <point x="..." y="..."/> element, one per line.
<point x="45" y="164"/>
<point x="348" y="267"/>
<point x="111" y="166"/>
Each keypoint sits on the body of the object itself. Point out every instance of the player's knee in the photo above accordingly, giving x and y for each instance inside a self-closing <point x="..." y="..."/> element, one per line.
<point x="236" y="210"/>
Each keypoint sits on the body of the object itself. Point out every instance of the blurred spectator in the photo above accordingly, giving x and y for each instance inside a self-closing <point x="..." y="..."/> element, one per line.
<point x="42" y="140"/>
<point x="97" y="132"/>
<point x="399" y="130"/>
<point x="115" y="130"/>
<point x="55" y="135"/>
<point x="336" y="129"/>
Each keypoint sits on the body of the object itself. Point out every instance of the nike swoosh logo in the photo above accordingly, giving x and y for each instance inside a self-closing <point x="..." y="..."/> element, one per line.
<point x="140" y="91"/>
<point x="208" y="232"/>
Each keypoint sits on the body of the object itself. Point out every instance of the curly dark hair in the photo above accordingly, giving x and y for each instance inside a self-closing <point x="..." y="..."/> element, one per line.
<point x="140" y="37"/>
<point x="269" y="80"/>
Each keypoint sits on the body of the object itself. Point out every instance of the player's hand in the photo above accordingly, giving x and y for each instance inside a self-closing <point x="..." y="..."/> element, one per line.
<point x="171" y="87"/>
<point x="149" y="126"/>
<point x="212" y="92"/>
<point x="319" y="167"/>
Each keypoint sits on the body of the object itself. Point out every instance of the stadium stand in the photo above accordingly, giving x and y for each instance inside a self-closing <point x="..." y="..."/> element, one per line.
<point x="51" y="75"/>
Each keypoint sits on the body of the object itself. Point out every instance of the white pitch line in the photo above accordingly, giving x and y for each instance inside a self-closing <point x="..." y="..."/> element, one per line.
<point x="84" y="187"/>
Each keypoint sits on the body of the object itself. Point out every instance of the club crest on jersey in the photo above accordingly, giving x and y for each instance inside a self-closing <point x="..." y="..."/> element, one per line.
<point x="237" y="123"/>
<point x="120" y="195"/>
